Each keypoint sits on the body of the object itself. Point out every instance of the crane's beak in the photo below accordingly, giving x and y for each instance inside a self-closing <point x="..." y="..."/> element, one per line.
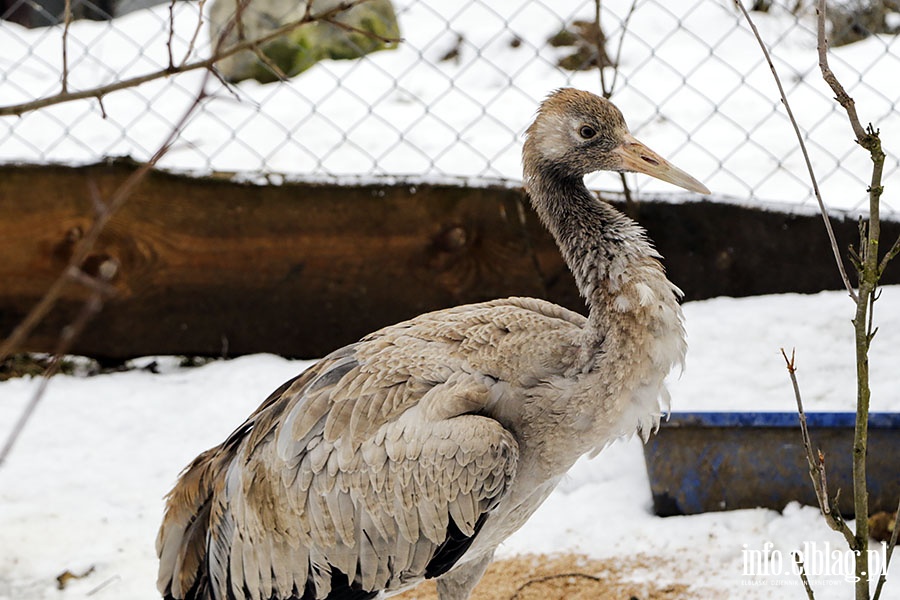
<point x="635" y="156"/>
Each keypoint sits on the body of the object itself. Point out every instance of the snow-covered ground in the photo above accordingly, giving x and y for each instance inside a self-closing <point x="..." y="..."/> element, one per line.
<point x="692" y="83"/>
<point x="83" y="488"/>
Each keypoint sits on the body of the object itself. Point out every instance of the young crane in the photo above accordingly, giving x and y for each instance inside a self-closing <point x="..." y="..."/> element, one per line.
<point x="413" y="453"/>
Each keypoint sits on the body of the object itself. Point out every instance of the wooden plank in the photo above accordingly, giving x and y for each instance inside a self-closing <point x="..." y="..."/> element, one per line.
<point x="209" y="266"/>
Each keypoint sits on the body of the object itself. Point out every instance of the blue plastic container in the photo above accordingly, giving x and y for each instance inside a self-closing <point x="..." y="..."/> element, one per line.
<point x="711" y="461"/>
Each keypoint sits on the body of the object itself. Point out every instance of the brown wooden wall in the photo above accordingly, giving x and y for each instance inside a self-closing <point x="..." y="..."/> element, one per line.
<point x="209" y="265"/>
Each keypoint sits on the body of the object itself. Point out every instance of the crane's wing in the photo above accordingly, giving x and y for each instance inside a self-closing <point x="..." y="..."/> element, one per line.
<point x="372" y="470"/>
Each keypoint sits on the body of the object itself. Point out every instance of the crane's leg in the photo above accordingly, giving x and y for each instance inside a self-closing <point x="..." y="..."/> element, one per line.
<point x="458" y="583"/>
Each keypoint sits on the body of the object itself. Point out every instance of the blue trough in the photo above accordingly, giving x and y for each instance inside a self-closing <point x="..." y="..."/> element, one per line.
<point x="712" y="461"/>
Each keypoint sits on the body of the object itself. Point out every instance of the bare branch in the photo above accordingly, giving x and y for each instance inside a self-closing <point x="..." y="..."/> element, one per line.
<point x="65" y="47"/>
<point x="538" y="580"/>
<point x="803" y="577"/>
<point x="612" y="84"/>
<point x="891" y="254"/>
<point x="187" y="55"/>
<point x="69" y="334"/>
<point x="598" y="41"/>
<point x="270" y="64"/>
<point x="369" y="34"/>
<point x="171" y="33"/>
<point x="816" y="462"/>
<point x="630" y="205"/>
<point x="237" y="22"/>
<point x="842" y="97"/>
<point x="102" y="107"/>
<point x="207" y="63"/>
<point x="809" y="167"/>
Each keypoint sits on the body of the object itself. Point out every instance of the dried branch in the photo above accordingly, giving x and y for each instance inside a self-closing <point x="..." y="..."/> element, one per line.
<point x="809" y="167"/>
<point x="100" y="289"/>
<point x="538" y="580"/>
<point x="65" y="47"/>
<point x="612" y="84"/>
<point x="607" y="92"/>
<point x="270" y="64"/>
<point x="803" y="577"/>
<point x="630" y="205"/>
<point x="171" y="33"/>
<point x="889" y="256"/>
<point x="816" y="462"/>
<point x="187" y="55"/>
<point x="843" y="99"/>
<point x="207" y="63"/>
<point x="238" y="21"/>
<point x="354" y="29"/>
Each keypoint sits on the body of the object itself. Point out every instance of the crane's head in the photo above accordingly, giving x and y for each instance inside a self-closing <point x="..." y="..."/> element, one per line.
<point x="576" y="133"/>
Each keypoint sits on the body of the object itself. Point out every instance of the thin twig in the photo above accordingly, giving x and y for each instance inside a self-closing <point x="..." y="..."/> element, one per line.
<point x="630" y="205"/>
<point x="369" y="34"/>
<point x="809" y="167"/>
<point x="70" y="333"/>
<point x="237" y="21"/>
<point x="816" y="462"/>
<point x="65" y="47"/>
<point x="207" y="63"/>
<point x="544" y="578"/>
<point x="803" y="577"/>
<point x="612" y="85"/>
<point x="890" y="551"/>
<point x="187" y="55"/>
<point x="827" y="74"/>
<point x="889" y="256"/>
<point x="171" y="34"/>
<point x="103" y="585"/>
<point x="599" y="42"/>
<point x="269" y="63"/>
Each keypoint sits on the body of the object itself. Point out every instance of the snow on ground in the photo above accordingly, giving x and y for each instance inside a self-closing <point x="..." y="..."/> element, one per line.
<point x="734" y="359"/>
<point x="83" y="488"/>
<point x="692" y="83"/>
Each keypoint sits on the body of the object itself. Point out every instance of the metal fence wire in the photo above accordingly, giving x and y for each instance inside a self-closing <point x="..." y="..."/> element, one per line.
<point x="451" y="100"/>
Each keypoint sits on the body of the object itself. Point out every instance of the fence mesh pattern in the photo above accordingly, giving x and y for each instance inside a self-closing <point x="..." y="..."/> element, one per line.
<point x="453" y="98"/>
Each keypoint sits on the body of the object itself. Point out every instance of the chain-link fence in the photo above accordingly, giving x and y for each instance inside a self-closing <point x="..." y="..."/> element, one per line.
<point x="453" y="98"/>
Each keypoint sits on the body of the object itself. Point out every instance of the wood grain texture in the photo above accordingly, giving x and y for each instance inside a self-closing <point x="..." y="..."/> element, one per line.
<point x="209" y="266"/>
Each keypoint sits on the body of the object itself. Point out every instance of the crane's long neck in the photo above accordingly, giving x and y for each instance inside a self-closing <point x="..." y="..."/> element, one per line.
<point x="614" y="265"/>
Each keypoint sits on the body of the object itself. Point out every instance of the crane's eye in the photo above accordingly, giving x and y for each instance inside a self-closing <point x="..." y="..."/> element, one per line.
<point x="587" y="132"/>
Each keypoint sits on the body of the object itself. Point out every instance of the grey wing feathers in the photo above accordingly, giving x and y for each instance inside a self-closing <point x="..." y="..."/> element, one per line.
<point x="350" y="471"/>
<point x="371" y="470"/>
<point x="375" y="507"/>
